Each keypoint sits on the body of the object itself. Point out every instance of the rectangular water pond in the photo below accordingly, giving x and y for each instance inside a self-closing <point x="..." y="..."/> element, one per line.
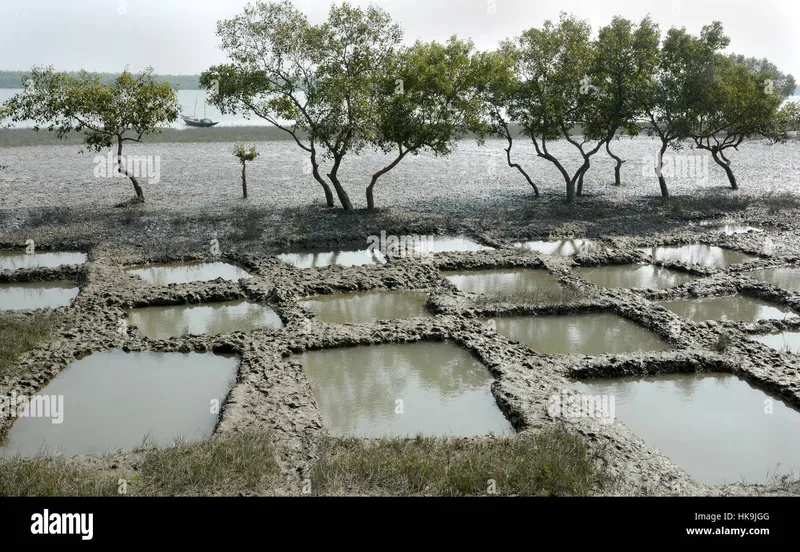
<point x="633" y="276"/>
<point x="785" y="277"/>
<point x="113" y="400"/>
<point x="183" y="273"/>
<point x="320" y="259"/>
<point x="37" y="295"/>
<point x="740" y="308"/>
<point x="705" y="255"/>
<point x="367" y="306"/>
<point x="712" y="425"/>
<point x="503" y="281"/>
<point x="786" y="342"/>
<point x="14" y="260"/>
<point x="401" y="390"/>
<point x="564" y="248"/>
<point x="582" y="334"/>
<point x="164" y="322"/>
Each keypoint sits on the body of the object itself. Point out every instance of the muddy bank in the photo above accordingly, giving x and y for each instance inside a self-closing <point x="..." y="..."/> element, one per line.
<point x="272" y="390"/>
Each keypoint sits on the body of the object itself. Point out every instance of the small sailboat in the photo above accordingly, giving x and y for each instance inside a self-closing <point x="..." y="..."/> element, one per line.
<point x="194" y="121"/>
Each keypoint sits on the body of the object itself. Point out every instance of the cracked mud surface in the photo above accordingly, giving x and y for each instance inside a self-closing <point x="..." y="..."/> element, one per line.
<point x="272" y="390"/>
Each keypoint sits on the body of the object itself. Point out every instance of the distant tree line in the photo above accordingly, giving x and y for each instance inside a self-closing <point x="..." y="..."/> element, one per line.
<point x="350" y="83"/>
<point x="15" y="79"/>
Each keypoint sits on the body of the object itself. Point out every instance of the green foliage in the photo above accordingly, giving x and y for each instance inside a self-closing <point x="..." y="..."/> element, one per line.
<point x="125" y="109"/>
<point x="243" y="153"/>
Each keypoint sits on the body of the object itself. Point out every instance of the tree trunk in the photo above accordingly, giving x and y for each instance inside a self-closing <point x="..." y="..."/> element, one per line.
<point x="340" y="191"/>
<point x="318" y="177"/>
<point x="662" y="182"/>
<point x="617" y="180"/>
<point x="518" y="167"/>
<point x="136" y="187"/>
<point x="570" y="190"/>
<point x="727" y="167"/>
<point x="244" y="181"/>
<point x="581" y="172"/>
<point x="377" y="175"/>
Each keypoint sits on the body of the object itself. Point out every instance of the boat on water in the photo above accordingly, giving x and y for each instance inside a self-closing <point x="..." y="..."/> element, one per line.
<point x="195" y="122"/>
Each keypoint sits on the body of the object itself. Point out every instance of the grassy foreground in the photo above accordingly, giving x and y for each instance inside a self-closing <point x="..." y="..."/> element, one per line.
<point x="539" y="296"/>
<point x="22" y="333"/>
<point x="224" y="465"/>
<point x="551" y="463"/>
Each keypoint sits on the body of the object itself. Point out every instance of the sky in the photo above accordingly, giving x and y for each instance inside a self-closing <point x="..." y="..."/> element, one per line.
<point x="179" y="36"/>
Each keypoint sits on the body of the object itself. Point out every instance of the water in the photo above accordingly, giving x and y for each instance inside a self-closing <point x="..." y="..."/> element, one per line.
<point x="191" y="104"/>
<point x="584" y="334"/>
<point x="788" y="342"/>
<point x="211" y="318"/>
<point x="182" y="273"/>
<point x="15" y="260"/>
<point x="453" y="244"/>
<point x="563" y="247"/>
<point x="37" y="295"/>
<point x="712" y="425"/>
<point x="701" y="254"/>
<point x="502" y="281"/>
<point x="729" y="228"/>
<point x="784" y="277"/>
<point x="328" y="258"/>
<point x="732" y="307"/>
<point x="633" y="276"/>
<point x="399" y="390"/>
<point x="112" y="400"/>
<point x="200" y="176"/>
<point x="366" y="307"/>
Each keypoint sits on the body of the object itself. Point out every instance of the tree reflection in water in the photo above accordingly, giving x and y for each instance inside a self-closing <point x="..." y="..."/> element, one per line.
<point x="212" y="318"/>
<point x="444" y="390"/>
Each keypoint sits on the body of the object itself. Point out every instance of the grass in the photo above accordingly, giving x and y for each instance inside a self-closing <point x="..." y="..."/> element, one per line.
<point x="705" y="203"/>
<point x="723" y="342"/>
<point x="20" y="334"/>
<point x="51" y="477"/>
<point x="779" y="202"/>
<point x="49" y="216"/>
<point x="539" y="296"/>
<point x="552" y="463"/>
<point x="222" y="465"/>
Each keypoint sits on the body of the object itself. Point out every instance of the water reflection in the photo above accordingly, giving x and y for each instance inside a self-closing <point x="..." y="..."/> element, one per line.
<point x="328" y="258"/>
<point x="182" y="273"/>
<point x="787" y="342"/>
<point x="733" y="307"/>
<point x="505" y="281"/>
<point x="37" y="295"/>
<point x="369" y="306"/>
<point x="785" y="277"/>
<point x="700" y="254"/>
<point x="443" y="391"/>
<point x="712" y="425"/>
<point x="212" y="318"/>
<point x="633" y="276"/>
<point x="113" y="400"/>
<point x="586" y="334"/>
<point x="15" y="260"/>
<point x="563" y="247"/>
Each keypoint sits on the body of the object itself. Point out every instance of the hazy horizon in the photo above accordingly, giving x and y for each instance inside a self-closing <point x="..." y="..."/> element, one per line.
<point x="178" y="37"/>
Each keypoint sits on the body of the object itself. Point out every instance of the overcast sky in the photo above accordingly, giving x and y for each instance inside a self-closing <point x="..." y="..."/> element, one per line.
<point x="178" y="36"/>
